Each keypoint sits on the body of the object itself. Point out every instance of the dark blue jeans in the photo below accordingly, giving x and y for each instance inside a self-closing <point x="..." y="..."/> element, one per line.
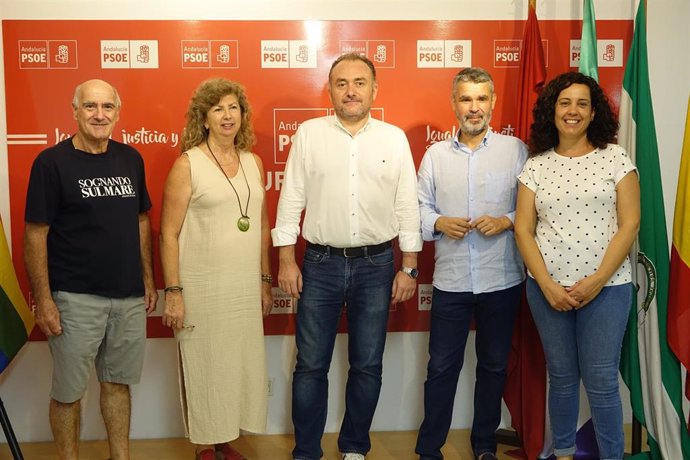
<point x="364" y="284"/>
<point x="451" y="313"/>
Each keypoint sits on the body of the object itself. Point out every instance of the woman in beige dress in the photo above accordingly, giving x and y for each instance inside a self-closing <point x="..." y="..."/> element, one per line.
<point x="215" y="240"/>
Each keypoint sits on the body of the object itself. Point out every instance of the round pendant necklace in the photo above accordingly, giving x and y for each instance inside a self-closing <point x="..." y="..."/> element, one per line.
<point x="242" y="222"/>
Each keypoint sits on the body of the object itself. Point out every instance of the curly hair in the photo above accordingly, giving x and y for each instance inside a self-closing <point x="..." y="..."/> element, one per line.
<point x="602" y="129"/>
<point x="207" y="95"/>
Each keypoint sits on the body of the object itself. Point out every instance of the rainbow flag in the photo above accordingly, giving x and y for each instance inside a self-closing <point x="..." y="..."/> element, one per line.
<point x="16" y="320"/>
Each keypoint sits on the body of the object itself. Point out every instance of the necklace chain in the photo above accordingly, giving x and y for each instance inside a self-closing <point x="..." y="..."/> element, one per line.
<point x="249" y="190"/>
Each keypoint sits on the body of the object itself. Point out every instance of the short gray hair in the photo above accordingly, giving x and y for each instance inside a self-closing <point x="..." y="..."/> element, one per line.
<point x="472" y="75"/>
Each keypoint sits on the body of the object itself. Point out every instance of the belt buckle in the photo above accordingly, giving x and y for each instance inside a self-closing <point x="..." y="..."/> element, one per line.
<point x="345" y="253"/>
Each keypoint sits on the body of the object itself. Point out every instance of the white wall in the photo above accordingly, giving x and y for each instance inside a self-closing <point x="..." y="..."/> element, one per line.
<point x="24" y="386"/>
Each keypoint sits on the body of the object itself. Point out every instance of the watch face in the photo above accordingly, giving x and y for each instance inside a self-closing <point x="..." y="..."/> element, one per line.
<point x="411" y="272"/>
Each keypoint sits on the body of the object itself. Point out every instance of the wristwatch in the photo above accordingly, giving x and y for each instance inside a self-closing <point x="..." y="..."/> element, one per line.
<point x="411" y="272"/>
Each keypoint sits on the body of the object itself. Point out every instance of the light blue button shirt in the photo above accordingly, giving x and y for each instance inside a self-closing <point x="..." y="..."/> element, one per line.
<point x="456" y="181"/>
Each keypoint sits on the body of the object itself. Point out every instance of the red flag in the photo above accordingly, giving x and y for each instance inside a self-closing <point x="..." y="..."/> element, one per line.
<point x="532" y="75"/>
<point x="525" y="392"/>
<point x="678" y="325"/>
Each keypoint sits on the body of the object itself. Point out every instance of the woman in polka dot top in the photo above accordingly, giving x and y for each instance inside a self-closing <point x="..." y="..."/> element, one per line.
<point x="578" y="213"/>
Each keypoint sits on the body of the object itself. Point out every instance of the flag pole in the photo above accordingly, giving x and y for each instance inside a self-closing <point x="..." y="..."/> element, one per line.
<point x="9" y="434"/>
<point x="636" y="446"/>
<point x="636" y="442"/>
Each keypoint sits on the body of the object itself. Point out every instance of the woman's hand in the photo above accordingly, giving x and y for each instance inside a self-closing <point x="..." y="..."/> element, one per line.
<point x="586" y="289"/>
<point x="558" y="297"/>
<point x="173" y="313"/>
<point x="266" y="299"/>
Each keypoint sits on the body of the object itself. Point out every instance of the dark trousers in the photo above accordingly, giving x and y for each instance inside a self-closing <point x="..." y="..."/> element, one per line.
<point x="451" y="314"/>
<point x="330" y="281"/>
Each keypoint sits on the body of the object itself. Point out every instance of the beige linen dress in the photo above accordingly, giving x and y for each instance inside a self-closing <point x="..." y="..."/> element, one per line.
<point x="222" y="359"/>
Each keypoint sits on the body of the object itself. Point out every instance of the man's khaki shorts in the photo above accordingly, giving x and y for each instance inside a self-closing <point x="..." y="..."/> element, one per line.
<point x="111" y="331"/>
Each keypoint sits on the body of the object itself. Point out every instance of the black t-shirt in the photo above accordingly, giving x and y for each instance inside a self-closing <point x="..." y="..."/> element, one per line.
<point x="92" y="204"/>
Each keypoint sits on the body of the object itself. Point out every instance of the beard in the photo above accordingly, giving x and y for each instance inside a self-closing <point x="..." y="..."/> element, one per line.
<point x="353" y="114"/>
<point x="473" y="129"/>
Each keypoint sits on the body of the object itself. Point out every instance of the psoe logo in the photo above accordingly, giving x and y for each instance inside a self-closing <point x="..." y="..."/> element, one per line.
<point x="444" y="53"/>
<point x="283" y="303"/>
<point x="63" y="54"/>
<point x="285" y="124"/>
<point x="424" y="294"/>
<point x="33" y="54"/>
<point x="458" y="53"/>
<point x="507" y="53"/>
<point x="209" y="53"/>
<point x="195" y="53"/>
<point x="48" y="54"/>
<point x="574" y="53"/>
<point x="129" y="54"/>
<point x="302" y="55"/>
<point x="382" y="52"/>
<point x="285" y="54"/>
<point x="609" y="53"/>
<point x="275" y="54"/>
<point x="430" y="53"/>
<point x="225" y="53"/>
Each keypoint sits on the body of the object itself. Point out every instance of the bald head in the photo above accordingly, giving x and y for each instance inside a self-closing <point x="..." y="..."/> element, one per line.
<point x="96" y="108"/>
<point x="97" y="85"/>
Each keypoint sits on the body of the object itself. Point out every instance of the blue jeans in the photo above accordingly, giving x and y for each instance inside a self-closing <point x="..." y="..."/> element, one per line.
<point x="584" y="343"/>
<point x="364" y="284"/>
<point x="451" y="314"/>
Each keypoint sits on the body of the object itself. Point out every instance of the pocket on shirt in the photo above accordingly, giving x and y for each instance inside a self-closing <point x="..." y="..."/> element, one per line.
<point x="498" y="187"/>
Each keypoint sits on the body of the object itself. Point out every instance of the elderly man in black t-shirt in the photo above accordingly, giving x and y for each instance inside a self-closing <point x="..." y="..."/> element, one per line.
<point x="87" y="248"/>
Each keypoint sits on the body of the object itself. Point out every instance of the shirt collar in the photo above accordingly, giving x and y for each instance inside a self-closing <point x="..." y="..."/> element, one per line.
<point x="458" y="146"/>
<point x="336" y="122"/>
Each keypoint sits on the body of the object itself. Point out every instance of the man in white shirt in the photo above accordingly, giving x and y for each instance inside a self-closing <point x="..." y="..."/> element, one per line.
<point x="354" y="177"/>
<point x="467" y="191"/>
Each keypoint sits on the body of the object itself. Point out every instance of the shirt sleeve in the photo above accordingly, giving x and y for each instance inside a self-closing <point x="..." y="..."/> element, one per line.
<point x="144" y="198"/>
<point x="406" y="204"/>
<point x="526" y="177"/>
<point x="292" y="198"/>
<point x="426" y="194"/>
<point x="43" y="193"/>
<point x="623" y="164"/>
<point x="519" y="165"/>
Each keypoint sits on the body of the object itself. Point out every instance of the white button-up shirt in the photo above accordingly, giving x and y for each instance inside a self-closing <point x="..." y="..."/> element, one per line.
<point x="356" y="190"/>
<point x="456" y="181"/>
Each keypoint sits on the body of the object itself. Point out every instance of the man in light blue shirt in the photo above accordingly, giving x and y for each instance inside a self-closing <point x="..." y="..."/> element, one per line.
<point x="467" y="188"/>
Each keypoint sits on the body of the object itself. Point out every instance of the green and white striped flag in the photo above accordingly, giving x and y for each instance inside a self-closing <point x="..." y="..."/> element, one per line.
<point x="588" y="41"/>
<point x="648" y="366"/>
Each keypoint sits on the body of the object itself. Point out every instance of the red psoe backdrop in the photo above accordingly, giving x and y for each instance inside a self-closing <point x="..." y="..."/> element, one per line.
<point x="156" y="66"/>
